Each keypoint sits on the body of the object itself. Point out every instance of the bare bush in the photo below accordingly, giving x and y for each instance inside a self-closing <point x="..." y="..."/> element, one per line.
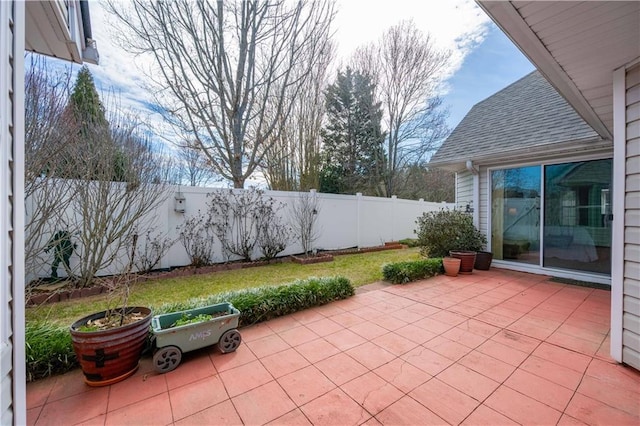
<point x="273" y="234"/>
<point x="47" y="199"/>
<point x="244" y="219"/>
<point x="196" y="235"/>
<point x="304" y="217"/>
<point x="155" y="247"/>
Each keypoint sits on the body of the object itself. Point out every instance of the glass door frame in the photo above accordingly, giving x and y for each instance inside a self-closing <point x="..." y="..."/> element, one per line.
<point x="539" y="266"/>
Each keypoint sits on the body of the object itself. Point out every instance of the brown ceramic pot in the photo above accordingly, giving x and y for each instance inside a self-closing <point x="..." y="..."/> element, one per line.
<point x="109" y="356"/>
<point x="483" y="260"/>
<point x="451" y="266"/>
<point x="467" y="260"/>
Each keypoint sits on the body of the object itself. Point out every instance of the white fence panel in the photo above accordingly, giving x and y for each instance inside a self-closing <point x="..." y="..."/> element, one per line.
<point x="343" y="221"/>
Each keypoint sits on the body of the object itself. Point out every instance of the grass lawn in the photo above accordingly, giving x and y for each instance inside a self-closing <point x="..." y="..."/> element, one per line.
<point x="361" y="269"/>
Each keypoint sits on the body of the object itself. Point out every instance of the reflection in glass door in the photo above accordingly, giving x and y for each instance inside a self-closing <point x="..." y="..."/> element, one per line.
<point x="577" y="219"/>
<point x="515" y="214"/>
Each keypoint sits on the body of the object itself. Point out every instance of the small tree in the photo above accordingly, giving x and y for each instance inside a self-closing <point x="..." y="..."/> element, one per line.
<point x="442" y="231"/>
<point x="304" y="216"/>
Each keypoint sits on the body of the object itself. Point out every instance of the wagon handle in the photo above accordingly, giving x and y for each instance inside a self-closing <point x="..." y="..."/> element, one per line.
<point x="155" y="323"/>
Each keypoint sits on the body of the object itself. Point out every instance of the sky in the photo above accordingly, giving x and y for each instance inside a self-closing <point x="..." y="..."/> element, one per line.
<point x="483" y="60"/>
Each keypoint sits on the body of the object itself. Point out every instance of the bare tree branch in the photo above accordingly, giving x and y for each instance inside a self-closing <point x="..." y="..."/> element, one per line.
<point x="224" y="71"/>
<point x="407" y="68"/>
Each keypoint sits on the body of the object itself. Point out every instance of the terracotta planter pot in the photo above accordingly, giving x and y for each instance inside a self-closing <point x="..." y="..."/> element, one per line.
<point x="483" y="260"/>
<point x="109" y="356"/>
<point x="467" y="260"/>
<point x="451" y="266"/>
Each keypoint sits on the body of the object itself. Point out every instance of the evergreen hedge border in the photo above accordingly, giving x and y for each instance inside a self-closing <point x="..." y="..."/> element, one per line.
<point x="404" y="272"/>
<point x="49" y="349"/>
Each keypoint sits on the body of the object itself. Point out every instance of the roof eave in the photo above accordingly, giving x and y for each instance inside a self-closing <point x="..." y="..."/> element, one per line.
<point x="540" y="152"/>
<point x="514" y="26"/>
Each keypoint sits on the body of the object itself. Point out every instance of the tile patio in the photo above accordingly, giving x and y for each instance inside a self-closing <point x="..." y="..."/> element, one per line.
<point x="495" y="347"/>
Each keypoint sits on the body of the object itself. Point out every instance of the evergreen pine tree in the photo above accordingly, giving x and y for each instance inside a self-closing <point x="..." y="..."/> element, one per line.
<point x="85" y="102"/>
<point x="353" y="150"/>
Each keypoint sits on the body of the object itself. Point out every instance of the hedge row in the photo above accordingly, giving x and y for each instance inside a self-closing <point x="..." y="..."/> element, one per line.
<point x="267" y="302"/>
<point x="404" y="272"/>
<point x="49" y="349"/>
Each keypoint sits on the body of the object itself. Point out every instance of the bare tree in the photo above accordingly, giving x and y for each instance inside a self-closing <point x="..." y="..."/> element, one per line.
<point x="304" y="217"/>
<point x="91" y="179"/>
<point x="225" y="70"/>
<point x="292" y="160"/>
<point x="46" y="135"/>
<point x="111" y="213"/>
<point x="407" y="68"/>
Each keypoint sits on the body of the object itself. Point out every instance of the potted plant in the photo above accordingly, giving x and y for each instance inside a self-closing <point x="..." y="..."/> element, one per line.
<point x="450" y="233"/>
<point x="108" y="344"/>
<point x="483" y="260"/>
<point x="451" y="266"/>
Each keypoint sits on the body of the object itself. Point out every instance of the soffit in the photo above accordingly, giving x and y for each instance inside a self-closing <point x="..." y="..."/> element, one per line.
<point x="576" y="46"/>
<point x="49" y="27"/>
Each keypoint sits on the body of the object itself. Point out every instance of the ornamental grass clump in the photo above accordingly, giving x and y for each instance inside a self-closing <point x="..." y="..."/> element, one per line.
<point x="448" y="230"/>
<point x="404" y="272"/>
<point x="48" y="350"/>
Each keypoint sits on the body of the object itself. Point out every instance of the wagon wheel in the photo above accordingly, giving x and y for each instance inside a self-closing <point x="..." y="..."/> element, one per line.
<point x="167" y="359"/>
<point x="229" y="341"/>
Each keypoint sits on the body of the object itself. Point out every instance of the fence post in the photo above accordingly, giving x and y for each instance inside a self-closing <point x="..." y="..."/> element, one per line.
<point x="358" y="217"/>
<point x="394" y="200"/>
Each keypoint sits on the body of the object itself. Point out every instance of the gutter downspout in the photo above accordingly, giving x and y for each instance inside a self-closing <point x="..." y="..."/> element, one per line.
<point x="88" y="45"/>
<point x="476" y="192"/>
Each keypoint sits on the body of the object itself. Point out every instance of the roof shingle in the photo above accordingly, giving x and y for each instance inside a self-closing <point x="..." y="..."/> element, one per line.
<point x="527" y="113"/>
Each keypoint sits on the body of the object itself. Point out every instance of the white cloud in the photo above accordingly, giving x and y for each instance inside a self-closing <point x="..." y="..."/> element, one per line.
<point x="454" y="25"/>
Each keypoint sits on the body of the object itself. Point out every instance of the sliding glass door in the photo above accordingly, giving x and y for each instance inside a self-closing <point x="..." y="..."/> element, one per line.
<point x="515" y="214"/>
<point x="572" y="203"/>
<point x="577" y="216"/>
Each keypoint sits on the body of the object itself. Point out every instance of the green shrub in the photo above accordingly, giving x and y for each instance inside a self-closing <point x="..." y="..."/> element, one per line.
<point x="48" y="350"/>
<point x="445" y="230"/>
<point x="410" y="242"/>
<point x="263" y="303"/>
<point x="404" y="272"/>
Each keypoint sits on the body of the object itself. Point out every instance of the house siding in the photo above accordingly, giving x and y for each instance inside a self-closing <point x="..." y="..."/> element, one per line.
<point x="7" y="54"/>
<point x="483" y="205"/>
<point x="464" y="189"/>
<point x="631" y="274"/>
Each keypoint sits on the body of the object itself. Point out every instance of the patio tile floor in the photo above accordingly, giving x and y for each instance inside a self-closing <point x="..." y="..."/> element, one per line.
<point x="495" y="347"/>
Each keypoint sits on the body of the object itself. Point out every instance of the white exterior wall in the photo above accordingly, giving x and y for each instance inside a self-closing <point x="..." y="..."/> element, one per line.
<point x="631" y="268"/>
<point x="12" y="359"/>
<point x="464" y="189"/>
<point x="483" y="205"/>
<point x="343" y="221"/>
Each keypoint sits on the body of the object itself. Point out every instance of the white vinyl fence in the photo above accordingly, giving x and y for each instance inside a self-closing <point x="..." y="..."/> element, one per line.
<point x="343" y="221"/>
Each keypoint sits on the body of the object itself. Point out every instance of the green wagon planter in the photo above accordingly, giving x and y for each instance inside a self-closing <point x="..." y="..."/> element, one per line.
<point x="184" y="331"/>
